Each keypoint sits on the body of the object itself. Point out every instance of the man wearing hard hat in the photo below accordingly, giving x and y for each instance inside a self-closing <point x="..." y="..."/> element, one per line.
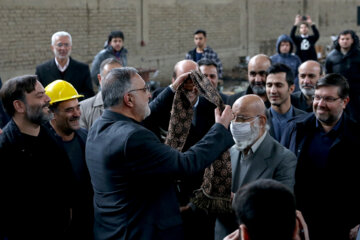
<point x="65" y="107"/>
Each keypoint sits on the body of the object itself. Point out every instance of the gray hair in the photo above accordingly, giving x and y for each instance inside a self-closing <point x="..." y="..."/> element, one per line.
<point x="60" y="34"/>
<point x="108" y="61"/>
<point x="115" y="85"/>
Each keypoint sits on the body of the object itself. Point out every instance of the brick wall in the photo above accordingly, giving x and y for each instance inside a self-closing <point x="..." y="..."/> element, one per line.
<point x="235" y="28"/>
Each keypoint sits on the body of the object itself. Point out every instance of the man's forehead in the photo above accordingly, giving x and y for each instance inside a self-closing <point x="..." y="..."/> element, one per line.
<point x="281" y="76"/>
<point x="62" y="39"/>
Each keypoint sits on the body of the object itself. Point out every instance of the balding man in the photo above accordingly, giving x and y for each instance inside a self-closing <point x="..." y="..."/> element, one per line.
<point x="197" y="224"/>
<point x="255" y="154"/>
<point x="309" y="73"/>
<point x="257" y="67"/>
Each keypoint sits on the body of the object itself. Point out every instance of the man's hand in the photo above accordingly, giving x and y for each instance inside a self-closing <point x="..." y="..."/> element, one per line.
<point x="225" y="117"/>
<point x="303" y="231"/>
<point x="0" y="131"/>
<point x="297" y="20"/>
<point x="353" y="232"/>
<point x="233" y="236"/>
<point x="309" y="21"/>
<point x="179" y="80"/>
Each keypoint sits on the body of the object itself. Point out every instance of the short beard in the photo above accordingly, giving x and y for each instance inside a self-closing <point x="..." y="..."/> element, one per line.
<point x="307" y="92"/>
<point x="36" y="114"/>
<point x="258" y="90"/>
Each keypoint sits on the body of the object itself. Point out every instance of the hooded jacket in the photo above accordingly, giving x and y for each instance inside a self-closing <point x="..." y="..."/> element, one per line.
<point x="289" y="59"/>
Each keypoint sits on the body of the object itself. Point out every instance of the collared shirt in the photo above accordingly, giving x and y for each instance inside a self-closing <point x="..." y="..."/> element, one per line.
<point x="320" y="144"/>
<point x="279" y="121"/>
<point x="245" y="161"/>
<point x="62" y="69"/>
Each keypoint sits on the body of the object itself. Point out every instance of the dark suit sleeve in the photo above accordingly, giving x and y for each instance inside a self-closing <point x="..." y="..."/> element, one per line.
<point x="88" y="88"/>
<point x="148" y="156"/>
<point x="292" y="34"/>
<point x="316" y="33"/>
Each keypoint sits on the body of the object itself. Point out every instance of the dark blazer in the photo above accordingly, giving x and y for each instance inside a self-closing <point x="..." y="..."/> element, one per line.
<point x="328" y="193"/>
<point x="36" y="185"/>
<point x="270" y="161"/>
<point x="133" y="176"/>
<point x="77" y="73"/>
<point x="296" y="114"/>
<point x="298" y="100"/>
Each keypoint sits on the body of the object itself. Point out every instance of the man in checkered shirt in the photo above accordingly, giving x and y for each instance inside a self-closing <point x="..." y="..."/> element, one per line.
<point x="202" y="51"/>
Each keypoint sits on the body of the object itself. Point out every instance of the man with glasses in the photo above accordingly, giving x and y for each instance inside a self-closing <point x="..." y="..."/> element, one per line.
<point x="326" y="143"/>
<point x="257" y="67"/>
<point x="132" y="172"/>
<point x="64" y="67"/>
<point x="255" y="154"/>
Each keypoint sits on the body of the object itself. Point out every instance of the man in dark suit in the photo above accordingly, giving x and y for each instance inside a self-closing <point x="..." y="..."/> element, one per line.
<point x="197" y="223"/>
<point x="255" y="154"/>
<point x="132" y="172"/>
<point x="326" y="145"/>
<point x="64" y="67"/>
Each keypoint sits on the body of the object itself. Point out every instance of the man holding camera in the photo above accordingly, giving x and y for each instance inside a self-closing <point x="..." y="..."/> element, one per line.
<point x="305" y="43"/>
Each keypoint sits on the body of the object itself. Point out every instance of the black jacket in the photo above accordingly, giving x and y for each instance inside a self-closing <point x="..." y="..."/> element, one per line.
<point x="77" y="73"/>
<point x="327" y="194"/>
<point x="36" y="185"/>
<point x="305" y="47"/>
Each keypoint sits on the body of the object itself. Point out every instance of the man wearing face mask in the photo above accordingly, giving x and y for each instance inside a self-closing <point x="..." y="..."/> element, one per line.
<point x="255" y="155"/>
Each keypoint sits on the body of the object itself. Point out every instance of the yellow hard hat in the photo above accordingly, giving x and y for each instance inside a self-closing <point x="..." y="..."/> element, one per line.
<point x="61" y="90"/>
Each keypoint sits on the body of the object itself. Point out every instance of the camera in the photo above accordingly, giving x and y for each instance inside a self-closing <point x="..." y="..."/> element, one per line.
<point x="304" y="18"/>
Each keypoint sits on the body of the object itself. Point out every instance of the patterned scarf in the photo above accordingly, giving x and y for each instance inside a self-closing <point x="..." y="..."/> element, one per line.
<point x="215" y="191"/>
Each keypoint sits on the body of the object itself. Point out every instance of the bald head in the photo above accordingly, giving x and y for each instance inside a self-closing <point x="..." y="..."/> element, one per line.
<point x="249" y="110"/>
<point x="260" y="60"/>
<point x="184" y="66"/>
<point x="309" y="73"/>
<point x="257" y="73"/>
<point x="249" y="106"/>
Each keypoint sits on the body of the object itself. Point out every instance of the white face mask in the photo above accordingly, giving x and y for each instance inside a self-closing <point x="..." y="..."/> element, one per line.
<point x="243" y="134"/>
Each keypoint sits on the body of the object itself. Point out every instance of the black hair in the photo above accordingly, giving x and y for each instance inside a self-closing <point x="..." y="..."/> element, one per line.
<point x="115" y="34"/>
<point x="337" y="80"/>
<point x="279" y="68"/>
<point x="15" y="89"/>
<point x="200" y="31"/>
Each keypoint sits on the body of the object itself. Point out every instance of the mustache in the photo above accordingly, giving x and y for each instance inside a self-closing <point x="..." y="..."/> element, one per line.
<point x="74" y="118"/>
<point x="308" y="85"/>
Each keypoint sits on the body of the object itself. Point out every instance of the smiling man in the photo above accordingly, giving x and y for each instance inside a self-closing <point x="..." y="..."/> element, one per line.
<point x="325" y="143"/>
<point x="65" y="107"/>
<point x="279" y="86"/>
<point x="35" y="178"/>
<point x="62" y="66"/>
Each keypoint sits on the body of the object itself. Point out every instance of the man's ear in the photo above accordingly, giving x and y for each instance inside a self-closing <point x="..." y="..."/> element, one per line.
<point x="99" y="79"/>
<point x="292" y="88"/>
<point x="244" y="232"/>
<point x="128" y="100"/>
<point x="19" y="106"/>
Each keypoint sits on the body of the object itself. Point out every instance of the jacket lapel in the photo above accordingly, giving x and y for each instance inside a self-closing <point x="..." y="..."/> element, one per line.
<point x="259" y="162"/>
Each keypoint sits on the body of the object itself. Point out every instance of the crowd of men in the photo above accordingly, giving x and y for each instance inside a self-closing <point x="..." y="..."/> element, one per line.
<point x="96" y="155"/>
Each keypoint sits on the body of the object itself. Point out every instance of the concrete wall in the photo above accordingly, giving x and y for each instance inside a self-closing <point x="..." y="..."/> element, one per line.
<point x="235" y="28"/>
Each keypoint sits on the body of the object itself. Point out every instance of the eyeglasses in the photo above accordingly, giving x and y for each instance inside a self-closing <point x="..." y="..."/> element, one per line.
<point x="63" y="44"/>
<point x="317" y="98"/>
<point x="145" y="89"/>
<point x="261" y="73"/>
<point x="240" y="118"/>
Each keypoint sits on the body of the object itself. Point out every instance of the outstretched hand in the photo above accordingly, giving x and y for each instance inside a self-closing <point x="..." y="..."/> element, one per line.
<point x="224" y="117"/>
